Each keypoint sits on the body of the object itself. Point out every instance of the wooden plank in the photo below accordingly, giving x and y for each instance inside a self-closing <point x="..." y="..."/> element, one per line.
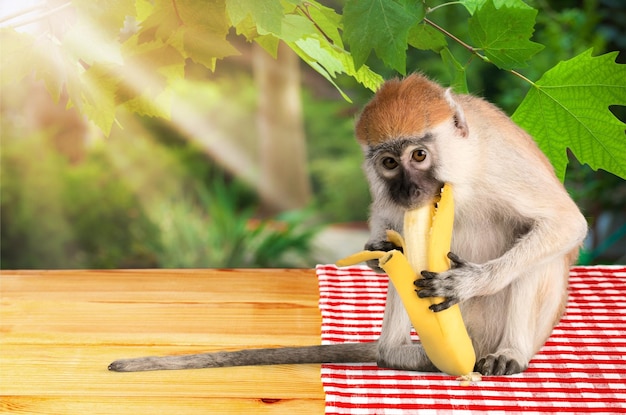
<point x="60" y="329"/>
<point x="146" y="323"/>
<point x="79" y="371"/>
<point x="113" y="405"/>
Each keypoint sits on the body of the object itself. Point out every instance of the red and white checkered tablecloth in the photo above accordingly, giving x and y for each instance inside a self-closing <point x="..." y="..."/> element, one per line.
<point x="581" y="369"/>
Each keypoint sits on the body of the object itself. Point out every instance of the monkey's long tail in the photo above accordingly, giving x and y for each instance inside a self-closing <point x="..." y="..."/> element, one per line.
<point x="333" y="353"/>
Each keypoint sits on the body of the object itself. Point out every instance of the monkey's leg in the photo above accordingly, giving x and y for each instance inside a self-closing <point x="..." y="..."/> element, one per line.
<point x="535" y="304"/>
<point x="333" y="353"/>
<point x="395" y="348"/>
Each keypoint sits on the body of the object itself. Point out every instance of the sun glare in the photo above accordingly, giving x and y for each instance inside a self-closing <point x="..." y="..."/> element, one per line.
<point x="27" y="15"/>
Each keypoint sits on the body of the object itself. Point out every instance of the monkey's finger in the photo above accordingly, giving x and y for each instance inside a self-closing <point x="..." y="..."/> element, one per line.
<point x="456" y="261"/>
<point x="426" y="282"/>
<point x="429" y="275"/>
<point x="427" y="293"/>
<point x="500" y="365"/>
<point x="449" y="302"/>
<point x="513" y="367"/>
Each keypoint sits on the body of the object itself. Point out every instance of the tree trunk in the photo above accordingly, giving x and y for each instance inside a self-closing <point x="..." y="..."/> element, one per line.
<point x="284" y="181"/>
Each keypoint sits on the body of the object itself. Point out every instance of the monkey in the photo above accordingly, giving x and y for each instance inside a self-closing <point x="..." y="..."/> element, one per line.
<point x="516" y="232"/>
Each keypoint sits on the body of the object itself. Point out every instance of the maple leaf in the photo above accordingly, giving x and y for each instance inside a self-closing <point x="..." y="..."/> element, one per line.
<point x="473" y="5"/>
<point x="458" y="78"/>
<point x="294" y="27"/>
<point x="110" y="14"/>
<point x="17" y="59"/>
<point x="159" y="25"/>
<point x="424" y="37"/>
<point x="204" y="47"/>
<point x="329" y="60"/>
<point x="380" y="25"/>
<point x="97" y="92"/>
<point x="146" y="78"/>
<point x="327" y="20"/>
<point x="569" y="107"/>
<point x="503" y="33"/>
<point x="266" y="14"/>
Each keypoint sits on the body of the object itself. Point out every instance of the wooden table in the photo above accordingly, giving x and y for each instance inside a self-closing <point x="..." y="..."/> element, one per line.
<point x="60" y="329"/>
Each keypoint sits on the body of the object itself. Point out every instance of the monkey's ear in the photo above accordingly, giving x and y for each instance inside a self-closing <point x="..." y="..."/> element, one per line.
<point x="459" y="116"/>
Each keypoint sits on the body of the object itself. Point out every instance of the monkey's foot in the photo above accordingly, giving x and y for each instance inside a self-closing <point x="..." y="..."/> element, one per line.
<point x="497" y="365"/>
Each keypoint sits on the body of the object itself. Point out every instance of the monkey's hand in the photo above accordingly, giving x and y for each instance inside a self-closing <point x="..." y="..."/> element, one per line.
<point x="452" y="285"/>
<point x="379" y="245"/>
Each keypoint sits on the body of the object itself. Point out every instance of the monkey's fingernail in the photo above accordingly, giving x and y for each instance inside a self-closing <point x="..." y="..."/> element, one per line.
<point x="438" y="307"/>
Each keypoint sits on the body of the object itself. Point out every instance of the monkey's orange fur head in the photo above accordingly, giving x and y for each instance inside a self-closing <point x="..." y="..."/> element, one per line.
<point x="403" y="108"/>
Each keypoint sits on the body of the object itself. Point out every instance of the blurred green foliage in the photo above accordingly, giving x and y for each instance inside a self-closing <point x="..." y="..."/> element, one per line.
<point x="146" y="197"/>
<point x="341" y="192"/>
<point x="216" y="231"/>
<point x="58" y="215"/>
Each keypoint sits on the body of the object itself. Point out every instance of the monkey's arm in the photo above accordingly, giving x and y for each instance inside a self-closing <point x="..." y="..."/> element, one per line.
<point x="381" y="220"/>
<point x="557" y="228"/>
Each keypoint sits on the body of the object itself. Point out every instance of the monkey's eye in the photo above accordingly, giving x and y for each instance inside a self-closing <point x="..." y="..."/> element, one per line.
<point x="390" y="163"/>
<point x="419" y="155"/>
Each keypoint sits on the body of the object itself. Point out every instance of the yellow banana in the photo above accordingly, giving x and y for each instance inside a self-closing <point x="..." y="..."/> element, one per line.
<point x="427" y="237"/>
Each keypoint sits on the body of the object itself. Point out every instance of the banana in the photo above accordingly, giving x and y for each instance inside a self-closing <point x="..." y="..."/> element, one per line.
<point x="427" y="237"/>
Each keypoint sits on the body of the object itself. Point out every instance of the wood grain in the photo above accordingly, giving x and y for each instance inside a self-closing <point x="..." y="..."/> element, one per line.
<point x="60" y="329"/>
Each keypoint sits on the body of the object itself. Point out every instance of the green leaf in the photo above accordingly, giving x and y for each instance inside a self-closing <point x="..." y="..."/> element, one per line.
<point x="503" y="33"/>
<point x="204" y="47"/>
<point x="269" y="43"/>
<point x="53" y="66"/>
<point x="456" y="70"/>
<point x="98" y="88"/>
<point x="294" y="27"/>
<point x="85" y="41"/>
<point x="210" y="15"/>
<point x="204" y="29"/>
<point x="16" y="58"/>
<point x="110" y="14"/>
<point x="247" y="27"/>
<point x="149" y="70"/>
<point x="266" y="14"/>
<point x="326" y="19"/>
<point x="321" y="60"/>
<point x="473" y="5"/>
<point x="329" y="60"/>
<point x="569" y="107"/>
<point x="382" y="25"/>
<point x="159" y="25"/>
<point x="313" y="48"/>
<point x="425" y="37"/>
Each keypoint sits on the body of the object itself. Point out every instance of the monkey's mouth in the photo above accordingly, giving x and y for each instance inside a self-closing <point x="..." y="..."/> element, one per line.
<point x="419" y="196"/>
<point x="437" y="197"/>
<point x="412" y="195"/>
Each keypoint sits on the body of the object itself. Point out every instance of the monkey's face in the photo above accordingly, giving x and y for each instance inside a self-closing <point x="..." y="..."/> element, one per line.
<point x="397" y="130"/>
<point x="402" y="171"/>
